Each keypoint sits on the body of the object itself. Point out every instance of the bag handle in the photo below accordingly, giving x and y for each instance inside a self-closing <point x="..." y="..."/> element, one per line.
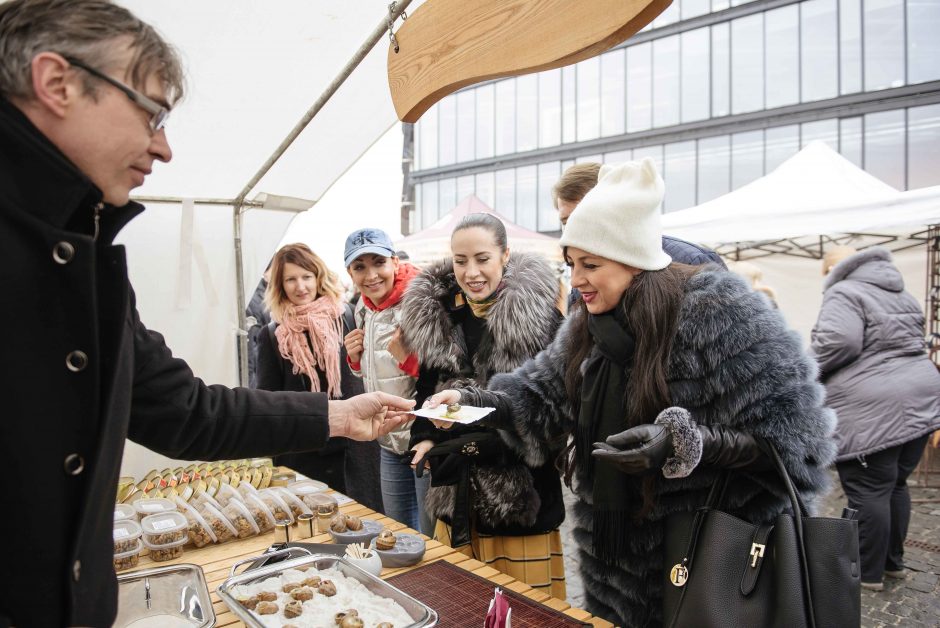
<point x="799" y="511"/>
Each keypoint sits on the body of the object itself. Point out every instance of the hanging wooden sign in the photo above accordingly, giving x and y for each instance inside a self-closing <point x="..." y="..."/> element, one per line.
<point x="448" y="44"/>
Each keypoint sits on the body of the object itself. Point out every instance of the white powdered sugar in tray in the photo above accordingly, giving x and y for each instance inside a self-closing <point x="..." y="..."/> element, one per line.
<point x="321" y="610"/>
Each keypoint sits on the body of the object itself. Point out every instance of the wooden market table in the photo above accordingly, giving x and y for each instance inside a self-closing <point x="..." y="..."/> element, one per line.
<point x="217" y="560"/>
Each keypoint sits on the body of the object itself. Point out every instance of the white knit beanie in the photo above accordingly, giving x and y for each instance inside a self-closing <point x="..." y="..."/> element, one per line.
<point x="619" y="219"/>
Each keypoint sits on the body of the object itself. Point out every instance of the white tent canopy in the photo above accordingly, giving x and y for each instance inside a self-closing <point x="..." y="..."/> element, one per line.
<point x="253" y="70"/>
<point x="817" y="191"/>
<point x="433" y="243"/>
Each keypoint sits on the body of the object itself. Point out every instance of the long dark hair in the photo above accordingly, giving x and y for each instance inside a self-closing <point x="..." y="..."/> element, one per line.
<point x="651" y="307"/>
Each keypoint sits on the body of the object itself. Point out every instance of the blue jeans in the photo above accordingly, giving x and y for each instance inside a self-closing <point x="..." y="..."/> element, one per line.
<point x="403" y="493"/>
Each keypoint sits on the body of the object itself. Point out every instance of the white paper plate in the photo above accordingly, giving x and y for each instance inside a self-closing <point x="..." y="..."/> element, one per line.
<point x="467" y="414"/>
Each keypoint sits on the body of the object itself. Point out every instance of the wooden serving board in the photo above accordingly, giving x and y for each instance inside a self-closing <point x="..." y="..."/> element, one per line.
<point x="448" y="44"/>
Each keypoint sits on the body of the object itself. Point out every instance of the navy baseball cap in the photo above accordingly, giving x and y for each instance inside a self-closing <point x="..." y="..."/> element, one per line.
<point x="364" y="241"/>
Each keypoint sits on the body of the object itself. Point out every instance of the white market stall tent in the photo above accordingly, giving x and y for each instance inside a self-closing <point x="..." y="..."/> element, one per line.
<point x="816" y="196"/>
<point x="817" y="191"/>
<point x="253" y="71"/>
<point x="433" y="243"/>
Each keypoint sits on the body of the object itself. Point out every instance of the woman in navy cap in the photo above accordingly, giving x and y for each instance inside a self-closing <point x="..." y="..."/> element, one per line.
<point x="375" y="353"/>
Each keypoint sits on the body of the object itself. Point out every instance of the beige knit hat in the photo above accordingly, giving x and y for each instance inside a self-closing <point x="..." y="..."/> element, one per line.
<point x="619" y="219"/>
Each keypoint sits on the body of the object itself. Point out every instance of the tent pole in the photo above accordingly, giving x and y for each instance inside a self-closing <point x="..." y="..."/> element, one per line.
<point x="241" y="334"/>
<point x="364" y="49"/>
<point x="395" y="10"/>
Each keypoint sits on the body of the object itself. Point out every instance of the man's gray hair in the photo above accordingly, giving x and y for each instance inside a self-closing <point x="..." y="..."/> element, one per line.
<point x="88" y="30"/>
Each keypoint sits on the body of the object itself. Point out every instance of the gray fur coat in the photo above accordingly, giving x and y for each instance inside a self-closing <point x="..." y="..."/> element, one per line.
<point x="511" y="497"/>
<point x="869" y="341"/>
<point x="733" y="363"/>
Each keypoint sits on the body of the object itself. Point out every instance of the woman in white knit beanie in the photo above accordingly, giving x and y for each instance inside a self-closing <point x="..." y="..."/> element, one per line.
<point x="661" y="378"/>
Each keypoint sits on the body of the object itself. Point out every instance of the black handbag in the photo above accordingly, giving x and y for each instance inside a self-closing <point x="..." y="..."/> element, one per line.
<point x="798" y="571"/>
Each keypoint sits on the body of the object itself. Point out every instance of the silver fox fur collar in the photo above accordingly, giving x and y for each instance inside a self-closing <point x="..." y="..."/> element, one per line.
<point x="521" y="322"/>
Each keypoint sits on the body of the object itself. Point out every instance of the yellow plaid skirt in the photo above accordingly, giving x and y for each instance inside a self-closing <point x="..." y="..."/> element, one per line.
<point x="535" y="559"/>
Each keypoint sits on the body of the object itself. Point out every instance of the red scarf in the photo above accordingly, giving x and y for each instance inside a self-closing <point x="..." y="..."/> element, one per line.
<point x="403" y="276"/>
<point x="322" y="320"/>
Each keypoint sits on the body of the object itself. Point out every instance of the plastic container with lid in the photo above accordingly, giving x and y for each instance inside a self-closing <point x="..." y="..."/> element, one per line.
<point x="126" y="533"/>
<point x="226" y="493"/>
<point x="124" y="511"/>
<point x="296" y="505"/>
<point x="165" y="551"/>
<point x="260" y="512"/>
<point x="305" y="488"/>
<point x="153" y="506"/>
<point x="245" y="489"/>
<point x="167" y="527"/>
<point x="219" y="524"/>
<point x="279" y="508"/>
<point x="199" y="531"/>
<point x="129" y="558"/>
<point x="325" y="507"/>
<point x="241" y="519"/>
<point x="201" y="499"/>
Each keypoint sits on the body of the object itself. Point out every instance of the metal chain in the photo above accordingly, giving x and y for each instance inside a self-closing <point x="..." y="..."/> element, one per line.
<point x="391" y="24"/>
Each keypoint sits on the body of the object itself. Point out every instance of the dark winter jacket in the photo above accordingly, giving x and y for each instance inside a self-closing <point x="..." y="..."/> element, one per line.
<point x="257" y="317"/>
<point x="869" y="342"/>
<point x="79" y="374"/>
<point x="350" y="467"/>
<point x="512" y="497"/>
<point x="733" y="363"/>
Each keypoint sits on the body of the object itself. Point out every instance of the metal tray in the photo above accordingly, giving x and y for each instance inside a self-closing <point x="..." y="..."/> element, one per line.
<point x="173" y="596"/>
<point x="423" y="615"/>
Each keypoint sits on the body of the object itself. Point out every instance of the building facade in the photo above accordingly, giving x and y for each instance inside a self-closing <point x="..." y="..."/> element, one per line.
<point x="718" y="92"/>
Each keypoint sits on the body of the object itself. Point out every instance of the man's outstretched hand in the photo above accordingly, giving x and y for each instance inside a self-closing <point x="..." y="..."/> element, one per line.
<point x="368" y="416"/>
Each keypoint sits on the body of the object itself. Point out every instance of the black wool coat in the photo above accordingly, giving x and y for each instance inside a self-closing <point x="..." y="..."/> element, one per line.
<point x="349" y="466"/>
<point x="80" y="373"/>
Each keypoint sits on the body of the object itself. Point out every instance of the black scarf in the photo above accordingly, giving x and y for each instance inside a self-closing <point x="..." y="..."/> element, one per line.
<point x="603" y="413"/>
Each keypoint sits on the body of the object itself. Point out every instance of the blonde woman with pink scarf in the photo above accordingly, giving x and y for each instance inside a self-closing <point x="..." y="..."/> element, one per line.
<point x="302" y="350"/>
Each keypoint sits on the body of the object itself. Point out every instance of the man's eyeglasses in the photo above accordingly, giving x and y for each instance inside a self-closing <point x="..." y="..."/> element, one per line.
<point x="158" y="113"/>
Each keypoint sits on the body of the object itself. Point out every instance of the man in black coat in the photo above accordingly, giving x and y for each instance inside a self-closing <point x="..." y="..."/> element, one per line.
<point x="85" y="88"/>
<point x="579" y="179"/>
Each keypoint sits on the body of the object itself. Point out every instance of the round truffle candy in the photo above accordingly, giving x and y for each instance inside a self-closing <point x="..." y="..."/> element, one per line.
<point x="303" y="594"/>
<point x="339" y="523"/>
<point x="353" y="523"/>
<point x="385" y="540"/>
<point x="453" y="408"/>
<point x="266" y="608"/>
<point x="293" y="609"/>
<point x="352" y="621"/>
<point x="340" y="616"/>
<point x="327" y="588"/>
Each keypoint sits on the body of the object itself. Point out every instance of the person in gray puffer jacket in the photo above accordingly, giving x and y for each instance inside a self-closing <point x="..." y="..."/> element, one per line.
<point x="869" y="342"/>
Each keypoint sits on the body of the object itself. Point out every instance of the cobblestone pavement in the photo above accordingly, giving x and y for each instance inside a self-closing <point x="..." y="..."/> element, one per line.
<point x="913" y="602"/>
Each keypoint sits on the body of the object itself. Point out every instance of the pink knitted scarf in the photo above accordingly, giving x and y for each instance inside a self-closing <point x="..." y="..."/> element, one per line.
<point x="322" y="320"/>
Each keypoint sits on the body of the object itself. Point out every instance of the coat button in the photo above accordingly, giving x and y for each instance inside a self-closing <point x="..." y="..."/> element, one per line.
<point x="63" y="252"/>
<point x="74" y="464"/>
<point x="76" y="361"/>
<point x="77" y="570"/>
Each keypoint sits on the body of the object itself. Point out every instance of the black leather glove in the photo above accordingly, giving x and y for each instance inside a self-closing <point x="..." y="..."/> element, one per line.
<point x="640" y="449"/>
<point x="675" y="444"/>
<point x="727" y="448"/>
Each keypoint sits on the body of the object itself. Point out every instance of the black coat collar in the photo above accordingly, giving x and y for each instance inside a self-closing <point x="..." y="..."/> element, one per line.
<point x="37" y="179"/>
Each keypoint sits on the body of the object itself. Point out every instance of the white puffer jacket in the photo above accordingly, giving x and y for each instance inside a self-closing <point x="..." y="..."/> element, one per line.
<point x="379" y="368"/>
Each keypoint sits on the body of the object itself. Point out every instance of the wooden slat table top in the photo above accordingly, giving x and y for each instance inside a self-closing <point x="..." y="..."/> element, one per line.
<point x="217" y="560"/>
